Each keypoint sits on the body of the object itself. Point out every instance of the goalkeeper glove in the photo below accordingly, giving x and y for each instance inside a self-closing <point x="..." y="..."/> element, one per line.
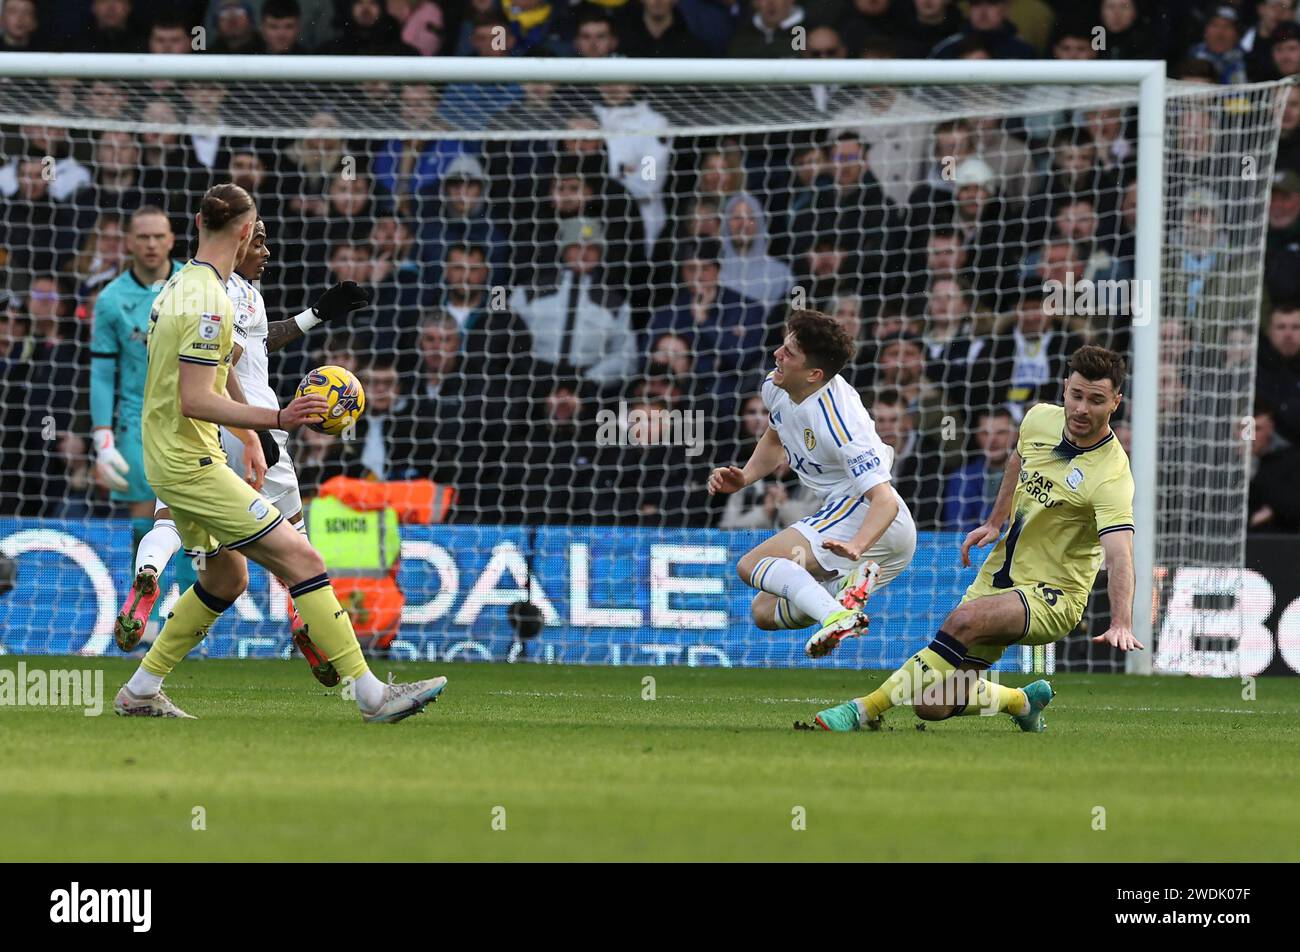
<point x="110" y="465"/>
<point x="339" y="301"/>
<point x="270" y="448"/>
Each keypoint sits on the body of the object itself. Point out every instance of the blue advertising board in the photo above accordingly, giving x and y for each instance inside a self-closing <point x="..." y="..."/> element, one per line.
<point x="608" y="596"/>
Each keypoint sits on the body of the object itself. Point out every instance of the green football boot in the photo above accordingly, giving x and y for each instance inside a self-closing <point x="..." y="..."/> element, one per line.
<point x="1040" y="694"/>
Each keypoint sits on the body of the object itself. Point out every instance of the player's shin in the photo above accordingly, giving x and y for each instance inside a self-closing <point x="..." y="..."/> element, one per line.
<point x="925" y="671"/>
<point x="329" y="626"/>
<point x="186" y="625"/>
<point x="989" y="697"/>
<point x="787" y="580"/>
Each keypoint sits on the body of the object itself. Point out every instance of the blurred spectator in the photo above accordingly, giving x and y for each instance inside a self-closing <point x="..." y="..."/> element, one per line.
<point x="52" y="147"/>
<point x="581" y="326"/>
<point x="422" y="24"/>
<point x="497" y="344"/>
<point x="1029" y="363"/>
<point x="461" y="217"/>
<point x="408" y="171"/>
<point x="102" y="254"/>
<point x="799" y="218"/>
<point x="1075" y="170"/>
<point x="249" y="168"/>
<point x="639" y="162"/>
<point x="556" y="456"/>
<point x="990" y="229"/>
<point x="768" y="32"/>
<point x="855" y="206"/>
<point x="110" y="30"/>
<point x="824" y="42"/>
<point x="901" y="369"/>
<point x="1219" y="47"/>
<point x="1274" y="504"/>
<point x="1288" y="146"/>
<point x="1257" y="42"/>
<point x="170" y="35"/>
<point x="654" y="28"/>
<point x="367" y="31"/>
<point x="281" y="28"/>
<point x="1129" y="34"/>
<point x="915" y="470"/>
<point x="1282" y="244"/>
<point x="926" y="25"/>
<point x="747" y="268"/>
<point x="19" y="28"/>
<point x="723" y="329"/>
<point x="1286" y="50"/>
<point x="170" y="173"/>
<point x="866" y="20"/>
<point x="205" y="110"/>
<point x="969" y="491"/>
<point x="236" y="29"/>
<point x="468" y="105"/>
<point x="989" y="22"/>
<point x="1277" y="380"/>
<point x="956" y="355"/>
<point x="308" y="167"/>
<point x="36" y="232"/>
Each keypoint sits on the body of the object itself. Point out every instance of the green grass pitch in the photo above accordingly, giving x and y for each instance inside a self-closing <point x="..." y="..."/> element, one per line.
<point x="584" y="768"/>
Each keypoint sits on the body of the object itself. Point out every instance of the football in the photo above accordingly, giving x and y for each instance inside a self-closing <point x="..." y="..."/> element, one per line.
<point x="343" y="391"/>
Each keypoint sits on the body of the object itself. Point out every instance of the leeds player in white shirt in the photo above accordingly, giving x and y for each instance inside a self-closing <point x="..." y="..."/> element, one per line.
<point x="864" y="535"/>
<point x="264" y="463"/>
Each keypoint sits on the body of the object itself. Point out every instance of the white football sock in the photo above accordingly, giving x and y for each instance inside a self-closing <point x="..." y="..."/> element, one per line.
<point x="144" y="683"/>
<point x="369" y="691"/>
<point x="786" y="579"/>
<point x="158" y="546"/>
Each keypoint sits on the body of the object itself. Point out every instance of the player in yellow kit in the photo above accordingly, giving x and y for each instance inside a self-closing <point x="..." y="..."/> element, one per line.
<point x="1068" y="494"/>
<point x="220" y="517"/>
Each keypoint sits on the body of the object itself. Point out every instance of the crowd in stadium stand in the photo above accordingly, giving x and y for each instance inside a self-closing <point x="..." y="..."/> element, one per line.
<point x="520" y="287"/>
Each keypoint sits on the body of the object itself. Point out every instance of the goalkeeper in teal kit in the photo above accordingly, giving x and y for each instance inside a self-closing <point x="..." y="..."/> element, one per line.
<point x="118" y="362"/>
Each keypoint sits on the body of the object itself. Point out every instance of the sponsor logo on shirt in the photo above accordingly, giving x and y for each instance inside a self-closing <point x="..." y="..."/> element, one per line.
<point x="258" y="508"/>
<point x="209" y="326"/>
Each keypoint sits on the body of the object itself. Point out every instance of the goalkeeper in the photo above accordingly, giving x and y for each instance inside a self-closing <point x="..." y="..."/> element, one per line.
<point x="1068" y="494"/>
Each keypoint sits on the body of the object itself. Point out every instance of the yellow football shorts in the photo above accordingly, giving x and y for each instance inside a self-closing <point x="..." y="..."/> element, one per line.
<point x="214" y="509"/>
<point x="1051" y="614"/>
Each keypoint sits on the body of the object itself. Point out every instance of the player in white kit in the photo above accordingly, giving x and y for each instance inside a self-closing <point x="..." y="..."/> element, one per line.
<point x="863" y="536"/>
<point x="272" y="471"/>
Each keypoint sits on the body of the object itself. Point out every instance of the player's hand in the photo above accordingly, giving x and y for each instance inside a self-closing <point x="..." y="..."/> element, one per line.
<point x="979" y="538"/>
<point x="303" y="410"/>
<point x="726" y="479"/>
<point x="341" y="300"/>
<point x="110" y="466"/>
<point x="1119" y="636"/>
<point x="846" y="550"/>
<point x="254" y="464"/>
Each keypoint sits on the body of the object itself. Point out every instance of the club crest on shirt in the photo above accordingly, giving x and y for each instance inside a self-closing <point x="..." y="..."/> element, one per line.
<point x="1075" y="478"/>
<point x="809" y="440"/>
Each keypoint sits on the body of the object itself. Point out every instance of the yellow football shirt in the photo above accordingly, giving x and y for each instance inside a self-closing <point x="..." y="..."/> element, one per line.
<point x="192" y="321"/>
<point x="1067" y="498"/>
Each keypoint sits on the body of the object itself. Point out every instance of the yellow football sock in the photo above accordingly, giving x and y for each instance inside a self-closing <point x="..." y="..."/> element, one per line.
<point x="328" y="625"/>
<point x="928" y="666"/>
<point x="187" y="625"/>
<point x="994" y="698"/>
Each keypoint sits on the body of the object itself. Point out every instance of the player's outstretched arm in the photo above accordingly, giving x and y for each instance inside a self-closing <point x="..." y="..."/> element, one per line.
<point x="199" y="401"/>
<point x="767" y="455"/>
<point x="991" y="530"/>
<point x="1118" y="547"/>
<point x="339" y="301"/>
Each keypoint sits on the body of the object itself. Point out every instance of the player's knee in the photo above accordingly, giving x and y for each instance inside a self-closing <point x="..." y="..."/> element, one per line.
<point x="745" y="567"/>
<point x="227" y="584"/>
<point x="932" y="712"/>
<point x="762" y="611"/>
<point x="961" y="624"/>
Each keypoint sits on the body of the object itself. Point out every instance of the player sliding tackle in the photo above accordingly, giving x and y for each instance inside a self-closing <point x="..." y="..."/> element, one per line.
<point x="217" y="514"/>
<point x="250" y="454"/>
<point x="864" y="535"/>
<point x="1068" y="494"/>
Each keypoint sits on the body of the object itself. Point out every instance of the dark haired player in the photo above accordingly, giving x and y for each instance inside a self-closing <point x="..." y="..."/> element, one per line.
<point x="1068" y="494"/>
<point x="864" y="535"/>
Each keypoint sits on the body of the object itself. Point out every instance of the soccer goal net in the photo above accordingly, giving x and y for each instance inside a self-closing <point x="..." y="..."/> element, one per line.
<point x="579" y="277"/>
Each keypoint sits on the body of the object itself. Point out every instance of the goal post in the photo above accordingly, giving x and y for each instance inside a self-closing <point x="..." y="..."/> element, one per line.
<point x="766" y="100"/>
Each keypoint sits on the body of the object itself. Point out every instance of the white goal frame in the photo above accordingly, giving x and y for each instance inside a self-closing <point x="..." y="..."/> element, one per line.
<point x="1147" y="75"/>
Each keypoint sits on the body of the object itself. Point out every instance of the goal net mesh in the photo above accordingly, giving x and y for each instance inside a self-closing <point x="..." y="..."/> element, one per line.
<point x="576" y="294"/>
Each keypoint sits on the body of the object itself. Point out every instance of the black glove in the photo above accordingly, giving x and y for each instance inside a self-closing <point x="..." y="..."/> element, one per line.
<point x="341" y="300"/>
<point x="270" y="448"/>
